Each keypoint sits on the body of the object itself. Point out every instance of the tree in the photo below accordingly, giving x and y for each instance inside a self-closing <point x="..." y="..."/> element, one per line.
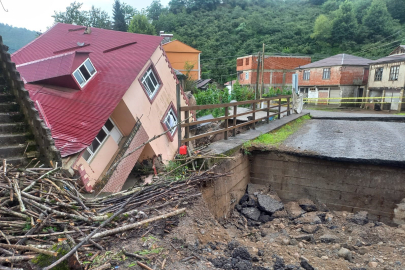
<point x="72" y="15"/>
<point x="345" y="24"/>
<point x="317" y="2"/>
<point x="322" y="28"/>
<point x="177" y="6"/>
<point x="154" y="10"/>
<point x="129" y="12"/>
<point x="140" y="24"/>
<point x="397" y="9"/>
<point x="98" y="18"/>
<point x="119" y="23"/>
<point x="378" y="20"/>
<point x="360" y="9"/>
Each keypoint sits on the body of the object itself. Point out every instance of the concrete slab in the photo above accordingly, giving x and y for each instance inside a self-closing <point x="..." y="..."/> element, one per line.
<point x="234" y="143"/>
<point x="358" y="140"/>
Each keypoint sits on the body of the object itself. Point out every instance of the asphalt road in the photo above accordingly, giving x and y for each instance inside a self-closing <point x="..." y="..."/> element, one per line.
<point x="351" y="139"/>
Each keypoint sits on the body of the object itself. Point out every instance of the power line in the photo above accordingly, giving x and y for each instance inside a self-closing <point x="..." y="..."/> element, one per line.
<point x="6" y="10"/>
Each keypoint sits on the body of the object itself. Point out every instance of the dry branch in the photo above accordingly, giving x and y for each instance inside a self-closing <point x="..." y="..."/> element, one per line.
<point x="31" y="248"/>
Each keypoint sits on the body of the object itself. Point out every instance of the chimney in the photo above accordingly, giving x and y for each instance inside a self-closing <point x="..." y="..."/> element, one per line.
<point x="166" y="37"/>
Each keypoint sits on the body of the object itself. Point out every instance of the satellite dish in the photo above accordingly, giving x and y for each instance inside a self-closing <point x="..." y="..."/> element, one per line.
<point x="80" y="44"/>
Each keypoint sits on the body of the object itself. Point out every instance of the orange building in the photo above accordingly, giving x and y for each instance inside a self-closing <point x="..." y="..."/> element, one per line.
<point x="180" y="55"/>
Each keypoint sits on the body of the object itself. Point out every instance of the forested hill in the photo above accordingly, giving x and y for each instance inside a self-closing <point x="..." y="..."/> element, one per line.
<point x="15" y="37"/>
<point x="319" y="28"/>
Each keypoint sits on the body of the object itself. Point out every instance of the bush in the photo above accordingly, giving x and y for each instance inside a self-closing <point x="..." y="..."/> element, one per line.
<point x="212" y="95"/>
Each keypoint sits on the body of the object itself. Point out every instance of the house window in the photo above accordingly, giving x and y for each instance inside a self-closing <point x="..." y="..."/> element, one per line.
<point x="378" y="74"/>
<point x="326" y="74"/>
<point x="394" y="73"/>
<point x="109" y="129"/>
<point x="169" y="121"/>
<point x="305" y="75"/>
<point x="84" y="72"/>
<point x="246" y="76"/>
<point x="150" y="82"/>
<point x="247" y="61"/>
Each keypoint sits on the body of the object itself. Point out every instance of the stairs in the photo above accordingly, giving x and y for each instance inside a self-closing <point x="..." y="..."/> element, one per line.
<point x="17" y="143"/>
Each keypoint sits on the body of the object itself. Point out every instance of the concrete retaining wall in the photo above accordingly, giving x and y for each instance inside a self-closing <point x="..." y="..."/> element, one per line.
<point x="341" y="186"/>
<point x="223" y="194"/>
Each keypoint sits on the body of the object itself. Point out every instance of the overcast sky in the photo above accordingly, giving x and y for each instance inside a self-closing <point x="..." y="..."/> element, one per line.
<point x="36" y="14"/>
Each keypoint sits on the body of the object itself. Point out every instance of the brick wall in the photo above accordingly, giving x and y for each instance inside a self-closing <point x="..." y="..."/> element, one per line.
<point x="346" y="75"/>
<point x="125" y="167"/>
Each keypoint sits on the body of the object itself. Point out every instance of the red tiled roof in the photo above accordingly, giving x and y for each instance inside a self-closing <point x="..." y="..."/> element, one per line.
<point x="76" y="116"/>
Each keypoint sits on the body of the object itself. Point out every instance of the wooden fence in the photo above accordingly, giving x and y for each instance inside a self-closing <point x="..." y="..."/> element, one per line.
<point x="234" y="126"/>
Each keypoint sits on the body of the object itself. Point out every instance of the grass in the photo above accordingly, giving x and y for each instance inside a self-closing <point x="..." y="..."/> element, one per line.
<point x="278" y="136"/>
<point x="400" y="113"/>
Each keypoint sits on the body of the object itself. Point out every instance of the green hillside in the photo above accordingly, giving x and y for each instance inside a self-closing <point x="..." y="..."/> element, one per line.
<point x="15" y="37"/>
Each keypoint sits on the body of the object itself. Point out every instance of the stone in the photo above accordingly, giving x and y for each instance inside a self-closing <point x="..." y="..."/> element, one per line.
<point x="268" y="204"/>
<point x="308" y="218"/>
<point x="280" y="214"/>
<point x="355" y="268"/>
<point x="294" y="210"/>
<point x="251" y="212"/>
<point x="329" y="238"/>
<point x="304" y="237"/>
<point x="362" y="250"/>
<point x="292" y="267"/>
<point x="345" y="254"/>
<point x="243" y="265"/>
<point x="264" y="218"/>
<point x="260" y="252"/>
<point x="242" y="253"/>
<point x="244" y="198"/>
<point x="307" y="205"/>
<point x="305" y="264"/>
<point x="373" y="264"/>
<point x="360" y="218"/>
<point x="253" y="189"/>
<point x="311" y="229"/>
<point x="285" y="241"/>
<point x="324" y="257"/>
<point x="233" y="244"/>
<point x="279" y="263"/>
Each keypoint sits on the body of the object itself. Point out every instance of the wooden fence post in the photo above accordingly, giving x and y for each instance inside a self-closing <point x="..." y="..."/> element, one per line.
<point x="254" y="115"/>
<point x="187" y="129"/>
<point x="288" y="106"/>
<point x="279" y="108"/>
<point x="226" y="123"/>
<point x="268" y="111"/>
<point x="235" y="111"/>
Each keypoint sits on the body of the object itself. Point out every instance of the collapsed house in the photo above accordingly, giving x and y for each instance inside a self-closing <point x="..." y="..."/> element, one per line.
<point x="102" y="93"/>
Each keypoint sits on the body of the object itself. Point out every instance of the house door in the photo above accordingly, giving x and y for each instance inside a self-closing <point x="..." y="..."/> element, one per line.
<point x="323" y="95"/>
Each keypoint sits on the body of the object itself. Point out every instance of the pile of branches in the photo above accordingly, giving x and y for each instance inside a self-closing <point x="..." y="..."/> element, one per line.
<point x="41" y="208"/>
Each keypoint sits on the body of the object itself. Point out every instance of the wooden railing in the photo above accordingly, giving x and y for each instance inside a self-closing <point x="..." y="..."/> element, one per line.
<point x="234" y="126"/>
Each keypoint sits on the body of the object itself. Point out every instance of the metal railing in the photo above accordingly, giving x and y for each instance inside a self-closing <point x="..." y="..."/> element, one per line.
<point x="234" y="116"/>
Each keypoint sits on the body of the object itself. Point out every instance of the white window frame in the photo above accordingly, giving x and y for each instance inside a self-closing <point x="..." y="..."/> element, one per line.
<point x="246" y="75"/>
<point x="306" y="75"/>
<point x="81" y="74"/>
<point x="326" y="74"/>
<point x="146" y="86"/>
<point x="394" y="73"/>
<point x="166" y="119"/>
<point x="101" y="143"/>
<point x="378" y="75"/>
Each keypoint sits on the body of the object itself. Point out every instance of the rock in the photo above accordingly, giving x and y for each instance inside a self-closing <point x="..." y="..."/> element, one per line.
<point x="268" y="204"/>
<point x="373" y="264"/>
<point x="308" y="218"/>
<point x="294" y="210"/>
<point x="345" y="254"/>
<point x="241" y="252"/>
<point x="280" y="214"/>
<point x="311" y="229"/>
<point x="219" y="262"/>
<point x="254" y="189"/>
<point x="304" y="237"/>
<point x="251" y="212"/>
<point x="329" y="238"/>
<point x="238" y="207"/>
<point x="243" y="265"/>
<point x="362" y="250"/>
<point x="244" y="198"/>
<point x="285" y="241"/>
<point x="260" y="252"/>
<point x="399" y="213"/>
<point x="264" y="218"/>
<point x="307" y="205"/>
<point x="260" y="268"/>
<point x="324" y="257"/>
<point x="360" y="218"/>
<point x="336" y="246"/>
<point x="355" y="268"/>
<point x="305" y="264"/>
<point x="233" y="244"/>
<point x="279" y="263"/>
<point x="292" y="267"/>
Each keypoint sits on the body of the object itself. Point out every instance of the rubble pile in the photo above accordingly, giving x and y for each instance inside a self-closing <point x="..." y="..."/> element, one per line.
<point x="43" y="216"/>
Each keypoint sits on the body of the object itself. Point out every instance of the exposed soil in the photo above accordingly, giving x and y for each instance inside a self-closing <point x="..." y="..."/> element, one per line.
<point x="297" y="237"/>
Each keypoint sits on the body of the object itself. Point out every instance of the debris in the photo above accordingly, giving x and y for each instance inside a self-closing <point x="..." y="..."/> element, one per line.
<point x="268" y="204"/>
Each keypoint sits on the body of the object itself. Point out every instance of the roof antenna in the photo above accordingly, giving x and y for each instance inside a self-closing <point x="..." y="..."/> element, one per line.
<point x="6" y="10"/>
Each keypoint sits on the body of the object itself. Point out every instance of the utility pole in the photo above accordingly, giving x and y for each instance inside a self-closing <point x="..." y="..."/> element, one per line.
<point x="262" y="88"/>
<point x="257" y="94"/>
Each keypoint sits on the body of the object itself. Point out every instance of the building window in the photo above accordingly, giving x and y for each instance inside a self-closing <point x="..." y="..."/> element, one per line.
<point x="151" y="82"/>
<point x="109" y="129"/>
<point x="326" y="74"/>
<point x="246" y="76"/>
<point x="84" y="72"/>
<point x="394" y="73"/>
<point x="169" y="121"/>
<point x="305" y="75"/>
<point x="378" y="74"/>
<point x="247" y="61"/>
<point x="239" y="62"/>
